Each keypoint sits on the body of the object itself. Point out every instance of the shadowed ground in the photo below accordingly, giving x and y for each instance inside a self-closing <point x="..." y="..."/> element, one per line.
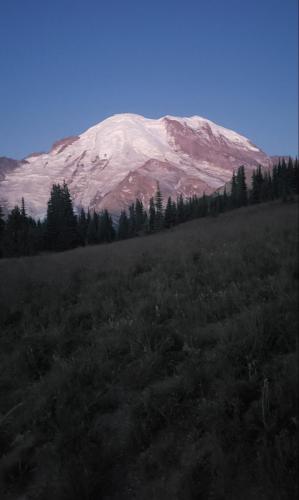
<point x="162" y="367"/>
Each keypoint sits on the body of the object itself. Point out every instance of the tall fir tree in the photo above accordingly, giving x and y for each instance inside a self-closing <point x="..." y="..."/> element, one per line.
<point x="180" y="212"/>
<point x="256" y="186"/>
<point x="61" y="222"/>
<point x="123" y="226"/>
<point x="14" y="234"/>
<point x="284" y="181"/>
<point x="266" y="193"/>
<point x="242" y="198"/>
<point x="159" y="209"/>
<point x="296" y="175"/>
<point x="225" y="200"/>
<point x="140" y="215"/>
<point x="106" y="232"/>
<point x="214" y="205"/>
<point x="82" y="227"/>
<point x="2" y="222"/>
<point x="170" y="213"/>
<point x="2" y="229"/>
<point x="71" y="233"/>
<point x="290" y="179"/>
<point x="204" y="207"/>
<point x="21" y="235"/>
<point x="92" y="228"/>
<point x="26" y="235"/>
<point x="132" y="220"/>
<point x="275" y="181"/>
<point x="188" y="207"/>
<point x="234" y="192"/>
<point x="152" y="215"/>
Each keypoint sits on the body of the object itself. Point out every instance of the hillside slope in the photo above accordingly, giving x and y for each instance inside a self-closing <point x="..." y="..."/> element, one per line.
<point x="160" y="367"/>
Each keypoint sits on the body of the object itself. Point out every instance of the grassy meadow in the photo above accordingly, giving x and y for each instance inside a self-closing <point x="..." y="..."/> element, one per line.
<point x="161" y="367"/>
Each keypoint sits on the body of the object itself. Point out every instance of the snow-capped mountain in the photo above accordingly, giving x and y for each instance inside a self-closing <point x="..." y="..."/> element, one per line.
<point x="122" y="158"/>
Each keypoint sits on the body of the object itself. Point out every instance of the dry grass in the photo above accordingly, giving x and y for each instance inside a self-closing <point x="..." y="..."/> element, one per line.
<point x="158" y="367"/>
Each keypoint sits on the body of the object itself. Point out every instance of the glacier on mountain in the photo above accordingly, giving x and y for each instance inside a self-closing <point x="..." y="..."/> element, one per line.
<point x="123" y="157"/>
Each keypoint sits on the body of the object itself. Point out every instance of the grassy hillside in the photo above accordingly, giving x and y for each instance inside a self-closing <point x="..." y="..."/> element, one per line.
<point x="162" y="367"/>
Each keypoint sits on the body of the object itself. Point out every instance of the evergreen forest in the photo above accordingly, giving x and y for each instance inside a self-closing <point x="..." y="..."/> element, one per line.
<point x="63" y="229"/>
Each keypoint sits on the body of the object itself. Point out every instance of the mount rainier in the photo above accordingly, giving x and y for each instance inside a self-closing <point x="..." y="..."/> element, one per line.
<point x="122" y="157"/>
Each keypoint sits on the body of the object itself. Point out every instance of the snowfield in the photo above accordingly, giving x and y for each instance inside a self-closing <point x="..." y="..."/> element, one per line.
<point x="186" y="155"/>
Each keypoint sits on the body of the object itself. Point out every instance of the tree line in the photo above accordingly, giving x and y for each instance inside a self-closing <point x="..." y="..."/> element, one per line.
<point x="63" y="229"/>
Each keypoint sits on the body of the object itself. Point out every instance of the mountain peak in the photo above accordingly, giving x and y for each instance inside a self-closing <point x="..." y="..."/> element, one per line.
<point x="122" y="157"/>
<point x="123" y="117"/>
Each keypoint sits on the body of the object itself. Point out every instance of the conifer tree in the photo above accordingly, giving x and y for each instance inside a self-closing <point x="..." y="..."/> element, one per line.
<point x="234" y="192"/>
<point x="257" y="182"/>
<point x="241" y="187"/>
<point x="40" y="235"/>
<point x="170" y="213"/>
<point x="106" y="231"/>
<point x="180" y="209"/>
<point x="152" y="215"/>
<point x="14" y="243"/>
<point x="219" y="202"/>
<point x="290" y="178"/>
<point x="280" y="178"/>
<point x="82" y="227"/>
<point x="284" y="180"/>
<point x="146" y="222"/>
<point x="92" y="228"/>
<point x="140" y="215"/>
<point x="26" y="235"/>
<point x="2" y="222"/>
<point x="266" y="187"/>
<point x="70" y="233"/>
<point x="275" y="181"/>
<point x="214" y="205"/>
<point x="197" y="212"/>
<point x="61" y="223"/>
<point x="123" y="226"/>
<point x="188" y="207"/>
<point x="225" y="200"/>
<point x="159" y="209"/>
<point x="204" y="208"/>
<point x="53" y="215"/>
<point x="88" y="218"/>
<point x="174" y="211"/>
<point x="21" y="237"/>
<point x="2" y="229"/>
<point x="132" y="220"/>
<point x="296" y="176"/>
<point x="23" y="209"/>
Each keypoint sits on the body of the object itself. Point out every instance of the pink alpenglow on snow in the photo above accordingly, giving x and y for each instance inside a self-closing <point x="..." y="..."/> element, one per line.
<point x="123" y="157"/>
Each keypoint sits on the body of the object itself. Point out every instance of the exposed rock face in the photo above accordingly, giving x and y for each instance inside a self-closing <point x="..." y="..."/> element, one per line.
<point x="60" y="145"/>
<point x="7" y="165"/>
<point x="124" y="156"/>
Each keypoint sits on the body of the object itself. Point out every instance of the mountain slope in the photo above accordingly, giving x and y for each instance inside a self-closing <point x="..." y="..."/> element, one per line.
<point x="8" y="165"/>
<point x="122" y="157"/>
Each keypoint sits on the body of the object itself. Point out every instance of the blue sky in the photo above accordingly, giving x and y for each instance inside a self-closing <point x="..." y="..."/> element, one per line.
<point x="66" y="65"/>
